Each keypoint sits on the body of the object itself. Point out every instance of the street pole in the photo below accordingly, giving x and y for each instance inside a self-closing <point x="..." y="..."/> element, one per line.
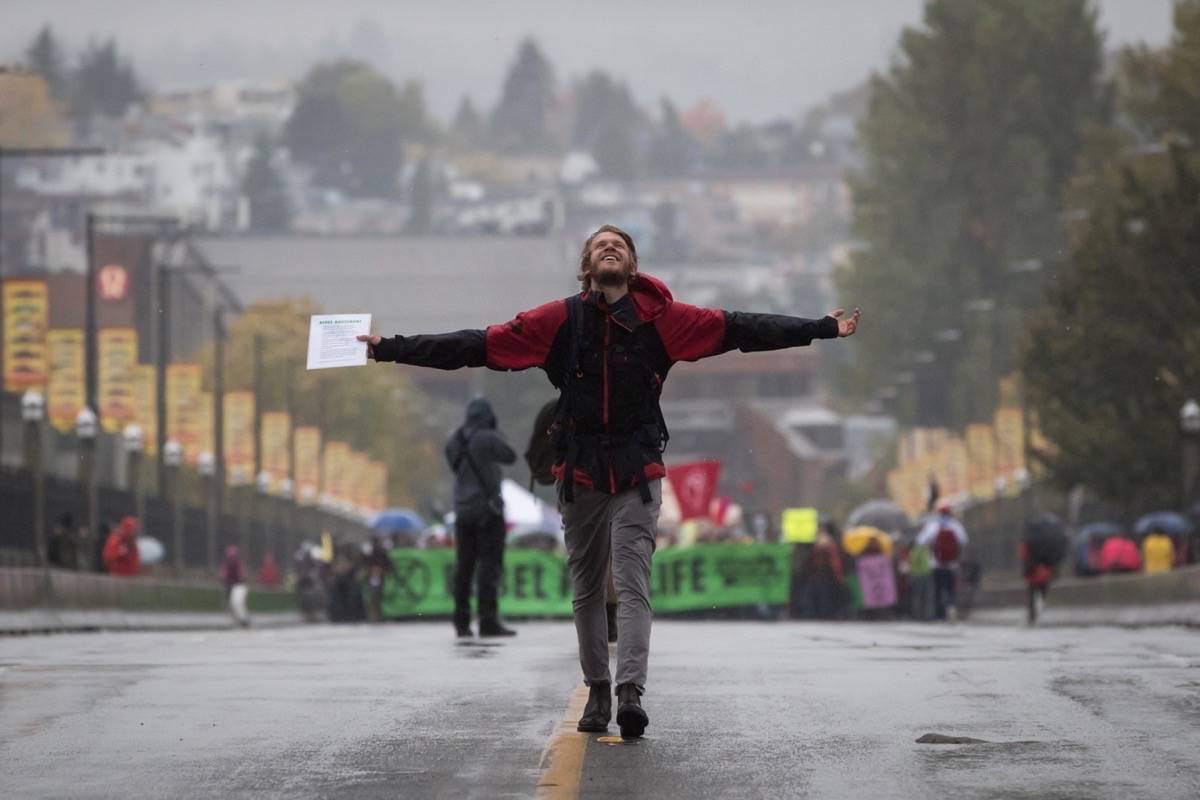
<point x="1189" y="426"/>
<point x="206" y="464"/>
<point x="85" y="430"/>
<point x="162" y="356"/>
<point x="135" y="442"/>
<point x="172" y="458"/>
<point x="33" y="411"/>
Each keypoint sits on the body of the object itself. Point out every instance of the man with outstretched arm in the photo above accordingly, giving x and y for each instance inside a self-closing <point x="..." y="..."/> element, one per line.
<point x="608" y="350"/>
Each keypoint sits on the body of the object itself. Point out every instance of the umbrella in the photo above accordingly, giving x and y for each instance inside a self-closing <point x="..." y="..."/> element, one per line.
<point x="398" y="520"/>
<point x="522" y="507"/>
<point x="150" y="550"/>
<point x="882" y="514"/>
<point x="855" y="540"/>
<point x="1046" y="540"/>
<point x="1094" y="533"/>
<point x="1120" y="555"/>
<point x="1172" y="523"/>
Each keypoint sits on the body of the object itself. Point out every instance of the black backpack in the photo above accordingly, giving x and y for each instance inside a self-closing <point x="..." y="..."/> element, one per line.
<point x="542" y="454"/>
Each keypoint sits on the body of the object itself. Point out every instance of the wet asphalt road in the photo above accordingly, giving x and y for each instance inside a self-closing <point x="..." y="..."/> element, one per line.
<point x="737" y="710"/>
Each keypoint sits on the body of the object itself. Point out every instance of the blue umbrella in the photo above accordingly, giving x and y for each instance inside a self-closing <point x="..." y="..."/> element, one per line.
<point x="1099" y="530"/>
<point x="398" y="520"/>
<point x="1171" y="523"/>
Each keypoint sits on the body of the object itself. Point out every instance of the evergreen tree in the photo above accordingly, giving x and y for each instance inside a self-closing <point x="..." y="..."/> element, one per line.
<point x="466" y="131"/>
<point x="264" y="190"/>
<point x="420" y="220"/>
<point x="968" y="142"/>
<point x="674" y="151"/>
<point x="1115" y="355"/>
<point x="103" y="83"/>
<point x="348" y="127"/>
<point x="45" y="57"/>
<point x="607" y="122"/>
<point x="519" y="121"/>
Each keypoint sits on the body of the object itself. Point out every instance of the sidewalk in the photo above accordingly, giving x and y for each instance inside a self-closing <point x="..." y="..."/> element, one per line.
<point x="1140" y="616"/>
<point x="50" y="620"/>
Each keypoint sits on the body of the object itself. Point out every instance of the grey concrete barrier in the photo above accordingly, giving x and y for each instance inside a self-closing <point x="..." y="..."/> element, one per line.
<point x="31" y="588"/>
<point x="1180" y="585"/>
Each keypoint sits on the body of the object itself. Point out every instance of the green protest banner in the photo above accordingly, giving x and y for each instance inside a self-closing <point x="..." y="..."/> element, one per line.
<point x="535" y="583"/>
<point x="723" y="575"/>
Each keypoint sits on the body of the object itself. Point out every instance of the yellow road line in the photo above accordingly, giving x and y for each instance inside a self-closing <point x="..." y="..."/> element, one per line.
<point x="562" y="760"/>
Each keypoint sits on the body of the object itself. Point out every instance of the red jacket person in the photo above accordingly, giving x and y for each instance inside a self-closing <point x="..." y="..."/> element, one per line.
<point x="608" y="350"/>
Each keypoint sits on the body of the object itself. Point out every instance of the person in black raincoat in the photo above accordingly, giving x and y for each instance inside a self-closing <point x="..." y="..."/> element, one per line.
<point x="475" y="453"/>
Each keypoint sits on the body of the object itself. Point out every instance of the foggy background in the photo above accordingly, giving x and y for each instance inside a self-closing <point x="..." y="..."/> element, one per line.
<point x="774" y="58"/>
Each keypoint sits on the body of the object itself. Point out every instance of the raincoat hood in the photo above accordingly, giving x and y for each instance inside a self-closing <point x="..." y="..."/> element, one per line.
<point x="479" y="415"/>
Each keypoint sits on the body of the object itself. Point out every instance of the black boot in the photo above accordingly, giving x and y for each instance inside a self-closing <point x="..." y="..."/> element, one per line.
<point x="611" y="610"/>
<point x="463" y="630"/>
<point x="493" y="627"/>
<point x="598" y="710"/>
<point x="630" y="715"/>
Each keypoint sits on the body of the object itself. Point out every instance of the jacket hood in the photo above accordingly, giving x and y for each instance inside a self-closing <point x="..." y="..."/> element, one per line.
<point x="651" y="297"/>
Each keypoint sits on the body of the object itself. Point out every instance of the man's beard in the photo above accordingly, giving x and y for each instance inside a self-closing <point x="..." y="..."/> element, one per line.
<point x="610" y="278"/>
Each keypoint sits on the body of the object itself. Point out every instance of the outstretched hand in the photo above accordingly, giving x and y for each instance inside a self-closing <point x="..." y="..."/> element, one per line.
<point x="374" y="340"/>
<point x="846" y="327"/>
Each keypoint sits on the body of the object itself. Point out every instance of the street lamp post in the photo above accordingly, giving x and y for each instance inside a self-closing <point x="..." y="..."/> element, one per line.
<point x="135" y="443"/>
<point x="1189" y="426"/>
<point x="206" y="463"/>
<point x="33" y="411"/>
<point x="266" y="516"/>
<point x="172" y="458"/>
<point x="86" y="430"/>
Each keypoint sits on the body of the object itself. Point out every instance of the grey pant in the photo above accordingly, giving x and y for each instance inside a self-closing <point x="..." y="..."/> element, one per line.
<point x="599" y="529"/>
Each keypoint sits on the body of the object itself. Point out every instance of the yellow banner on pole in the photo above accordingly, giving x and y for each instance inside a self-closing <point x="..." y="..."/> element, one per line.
<point x="204" y="426"/>
<point x="336" y="464"/>
<point x="117" y="351"/>
<point x="276" y="454"/>
<point x="981" y="452"/>
<point x="957" y="468"/>
<point x="183" y="398"/>
<point x="66" y="393"/>
<point x="1010" y="445"/>
<point x="145" y="403"/>
<point x="357" y="487"/>
<point x="26" y="313"/>
<point x="307" y="446"/>
<point x="239" y="438"/>
<point x="378" y="483"/>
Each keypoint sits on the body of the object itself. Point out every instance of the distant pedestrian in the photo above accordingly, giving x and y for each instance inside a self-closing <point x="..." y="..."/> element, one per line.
<point x="1158" y="552"/>
<point x="946" y="539"/>
<point x="233" y="578"/>
<point x="379" y="566"/>
<point x="824" y="576"/>
<point x="920" y="581"/>
<point x="121" y="549"/>
<point x="268" y="571"/>
<point x="63" y="544"/>
<point x="475" y="453"/>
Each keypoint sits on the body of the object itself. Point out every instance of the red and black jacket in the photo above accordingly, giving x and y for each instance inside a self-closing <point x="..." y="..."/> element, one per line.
<point x="612" y="437"/>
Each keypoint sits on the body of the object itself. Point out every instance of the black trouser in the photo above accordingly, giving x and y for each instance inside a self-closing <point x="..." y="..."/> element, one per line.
<point x="478" y="539"/>
<point x="943" y="591"/>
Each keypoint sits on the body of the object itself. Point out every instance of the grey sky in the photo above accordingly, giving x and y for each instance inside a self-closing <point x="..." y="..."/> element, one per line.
<point x="757" y="60"/>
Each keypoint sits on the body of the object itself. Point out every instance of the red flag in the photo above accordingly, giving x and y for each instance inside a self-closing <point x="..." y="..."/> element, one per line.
<point x="695" y="484"/>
